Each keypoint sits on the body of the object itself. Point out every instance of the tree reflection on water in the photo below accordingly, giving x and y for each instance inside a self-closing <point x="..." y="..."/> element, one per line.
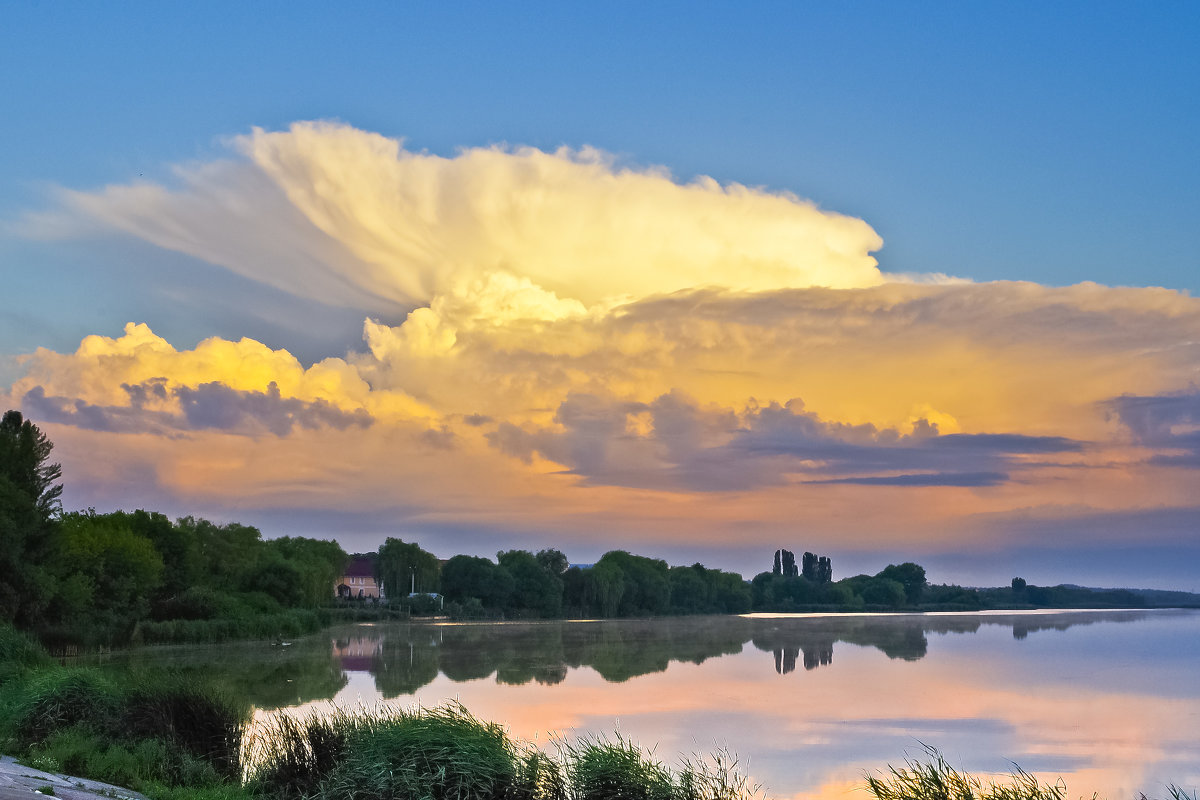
<point x="404" y="658"/>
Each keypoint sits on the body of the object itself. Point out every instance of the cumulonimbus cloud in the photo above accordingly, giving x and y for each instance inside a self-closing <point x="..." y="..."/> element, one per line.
<point x="572" y="327"/>
<point x="350" y="217"/>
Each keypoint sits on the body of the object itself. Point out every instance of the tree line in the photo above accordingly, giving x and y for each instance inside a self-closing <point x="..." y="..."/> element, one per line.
<point x="110" y="578"/>
<point x="524" y="584"/>
<point x="84" y="576"/>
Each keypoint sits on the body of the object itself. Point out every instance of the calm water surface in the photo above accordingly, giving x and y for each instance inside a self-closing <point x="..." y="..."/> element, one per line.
<point x="1110" y="701"/>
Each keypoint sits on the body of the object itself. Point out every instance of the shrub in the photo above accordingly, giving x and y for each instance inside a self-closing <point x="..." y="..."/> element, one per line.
<point x="200" y="722"/>
<point x="82" y="722"/>
<point x="19" y="653"/>
<point x="442" y="753"/>
<point x="600" y="769"/>
<point x="59" y="699"/>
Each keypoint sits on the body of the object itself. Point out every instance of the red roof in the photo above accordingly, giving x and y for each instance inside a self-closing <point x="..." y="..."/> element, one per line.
<point x="360" y="567"/>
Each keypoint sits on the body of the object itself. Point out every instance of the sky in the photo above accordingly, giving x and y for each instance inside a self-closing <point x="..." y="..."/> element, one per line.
<point x="880" y="281"/>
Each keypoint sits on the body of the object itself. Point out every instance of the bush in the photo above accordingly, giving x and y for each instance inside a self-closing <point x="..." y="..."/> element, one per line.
<point x="203" y="724"/>
<point x="443" y="752"/>
<point x="137" y="765"/>
<point x="19" y="653"/>
<point x="127" y="733"/>
<point x="600" y="769"/>
<point x="60" y="699"/>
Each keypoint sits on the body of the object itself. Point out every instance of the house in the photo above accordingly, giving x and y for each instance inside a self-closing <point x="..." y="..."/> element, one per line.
<point x="359" y="579"/>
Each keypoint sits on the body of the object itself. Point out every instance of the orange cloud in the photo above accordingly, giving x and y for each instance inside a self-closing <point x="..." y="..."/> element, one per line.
<point x="530" y="281"/>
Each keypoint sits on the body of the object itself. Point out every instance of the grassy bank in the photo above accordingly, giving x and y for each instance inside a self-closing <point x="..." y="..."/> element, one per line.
<point x="446" y="752"/>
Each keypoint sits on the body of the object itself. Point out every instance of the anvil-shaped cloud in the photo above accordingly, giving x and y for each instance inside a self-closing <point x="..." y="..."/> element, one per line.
<point x="586" y="344"/>
<point x="349" y="217"/>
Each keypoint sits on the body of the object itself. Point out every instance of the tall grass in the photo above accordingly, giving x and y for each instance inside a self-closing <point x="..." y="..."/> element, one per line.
<point x="937" y="780"/>
<point x="446" y="752"/>
<point x="443" y="752"/>
<point x="291" y="623"/>
<point x="616" y="769"/>
<point x="129" y="732"/>
<point x="19" y="654"/>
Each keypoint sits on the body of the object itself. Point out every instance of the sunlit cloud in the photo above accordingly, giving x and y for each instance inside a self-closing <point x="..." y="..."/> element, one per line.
<point x="557" y="341"/>
<point x="350" y="217"/>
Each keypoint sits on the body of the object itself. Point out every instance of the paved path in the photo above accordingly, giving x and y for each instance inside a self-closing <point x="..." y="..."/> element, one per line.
<point x="23" y="783"/>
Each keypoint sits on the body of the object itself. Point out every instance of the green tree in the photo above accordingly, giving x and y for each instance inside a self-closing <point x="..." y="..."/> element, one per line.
<point x="318" y="564"/>
<point x="24" y="464"/>
<point x="909" y="575"/>
<point x="29" y="505"/>
<point x="554" y="561"/>
<point x="606" y="589"/>
<point x="730" y="592"/>
<point x="883" y="592"/>
<point x="180" y="552"/>
<point x="464" y="577"/>
<point x="647" y="589"/>
<point x="405" y="567"/>
<point x="225" y="551"/>
<point x="535" y="587"/>
<point x="690" y="591"/>
<point x="108" y="572"/>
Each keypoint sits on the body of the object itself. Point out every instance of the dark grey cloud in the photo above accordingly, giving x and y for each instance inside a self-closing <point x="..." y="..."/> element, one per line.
<point x="710" y="448"/>
<point x="208" y="406"/>
<point x="925" y="479"/>
<point x="1165" y="422"/>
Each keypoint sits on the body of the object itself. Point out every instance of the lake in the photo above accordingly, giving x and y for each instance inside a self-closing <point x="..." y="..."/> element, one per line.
<point x="1108" y="700"/>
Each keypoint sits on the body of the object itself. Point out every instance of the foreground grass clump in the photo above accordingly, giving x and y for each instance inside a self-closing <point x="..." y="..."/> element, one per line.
<point x="937" y="780"/>
<point x="135" y="733"/>
<point x="443" y="752"/>
<point x="446" y="753"/>
<point x="19" y="654"/>
<point x="601" y="769"/>
<point x="618" y="769"/>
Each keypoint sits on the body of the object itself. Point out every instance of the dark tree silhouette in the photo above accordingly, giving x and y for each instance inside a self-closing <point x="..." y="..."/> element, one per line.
<point x="29" y="506"/>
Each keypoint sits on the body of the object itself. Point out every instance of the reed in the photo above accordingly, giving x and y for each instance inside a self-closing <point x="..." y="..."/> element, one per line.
<point x="937" y="780"/>
<point x="443" y="752"/>
<point x="446" y="752"/>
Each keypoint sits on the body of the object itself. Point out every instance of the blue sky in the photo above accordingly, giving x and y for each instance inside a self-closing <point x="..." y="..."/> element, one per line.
<point x="1043" y="142"/>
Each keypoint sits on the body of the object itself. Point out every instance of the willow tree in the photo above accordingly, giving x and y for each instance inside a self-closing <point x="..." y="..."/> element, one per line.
<point x="405" y="567"/>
